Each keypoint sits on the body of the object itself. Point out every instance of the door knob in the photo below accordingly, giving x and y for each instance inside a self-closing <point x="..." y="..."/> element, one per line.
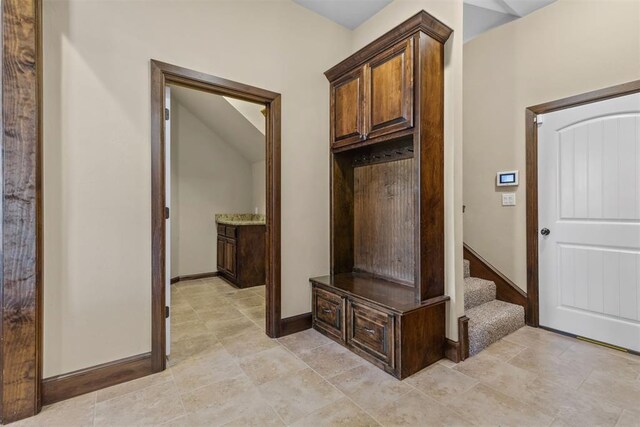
<point x="545" y="231"/>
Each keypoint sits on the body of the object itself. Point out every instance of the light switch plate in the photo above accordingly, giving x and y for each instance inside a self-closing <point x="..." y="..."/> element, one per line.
<point x="508" y="199"/>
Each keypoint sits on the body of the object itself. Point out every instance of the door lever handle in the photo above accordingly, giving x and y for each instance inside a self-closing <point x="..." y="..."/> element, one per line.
<point x="545" y="231"/>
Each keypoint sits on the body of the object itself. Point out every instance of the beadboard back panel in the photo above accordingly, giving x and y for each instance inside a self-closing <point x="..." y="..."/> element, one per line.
<point x="384" y="215"/>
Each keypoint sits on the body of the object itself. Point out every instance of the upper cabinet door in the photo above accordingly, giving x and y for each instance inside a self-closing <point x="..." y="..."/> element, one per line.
<point x="347" y="109"/>
<point x="389" y="78"/>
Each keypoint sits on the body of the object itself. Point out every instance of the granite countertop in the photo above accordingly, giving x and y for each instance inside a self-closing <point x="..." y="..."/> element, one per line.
<point x="240" y="219"/>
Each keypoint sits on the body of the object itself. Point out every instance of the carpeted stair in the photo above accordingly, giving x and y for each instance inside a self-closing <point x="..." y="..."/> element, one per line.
<point x="489" y="319"/>
<point x="477" y="292"/>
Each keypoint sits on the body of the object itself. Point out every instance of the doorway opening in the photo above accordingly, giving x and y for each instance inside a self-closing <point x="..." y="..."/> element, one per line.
<point x="245" y="225"/>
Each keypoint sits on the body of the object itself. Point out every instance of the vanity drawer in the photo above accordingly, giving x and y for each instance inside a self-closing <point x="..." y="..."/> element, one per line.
<point x="328" y="312"/>
<point x="221" y="229"/>
<point x="230" y="231"/>
<point x="372" y="331"/>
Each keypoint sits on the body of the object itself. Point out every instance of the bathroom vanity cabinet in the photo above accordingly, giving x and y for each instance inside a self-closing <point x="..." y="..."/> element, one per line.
<point x="241" y="254"/>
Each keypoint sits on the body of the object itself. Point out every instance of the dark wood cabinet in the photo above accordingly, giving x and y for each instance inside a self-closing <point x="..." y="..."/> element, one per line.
<point x="220" y="252"/>
<point x="380" y="321"/>
<point x="347" y="105"/>
<point x="329" y="313"/>
<point x="371" y="330"/>
<point x="384" y="298"/>
<point x="375" y="99"/>
<point x="241" y="254"/>
<point x="230" y="257"/>
<point x="389" y="91"/>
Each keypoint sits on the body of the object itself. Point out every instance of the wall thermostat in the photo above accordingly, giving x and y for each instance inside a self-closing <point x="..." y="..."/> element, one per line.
<point x="507" y="178"/>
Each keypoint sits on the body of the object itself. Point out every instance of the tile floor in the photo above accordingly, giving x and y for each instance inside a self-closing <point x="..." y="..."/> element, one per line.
<point x="223" y="370"/>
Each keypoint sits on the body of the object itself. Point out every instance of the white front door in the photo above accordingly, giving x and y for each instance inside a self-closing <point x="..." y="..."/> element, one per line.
<point x="589" y="201"/>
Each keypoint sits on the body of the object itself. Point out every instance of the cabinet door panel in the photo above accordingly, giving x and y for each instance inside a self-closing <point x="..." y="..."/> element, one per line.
<point x="230" y="257"/>
<point x="220" y="254"/>
<point x="347" y="109"/>
<point x="389" y="79"/>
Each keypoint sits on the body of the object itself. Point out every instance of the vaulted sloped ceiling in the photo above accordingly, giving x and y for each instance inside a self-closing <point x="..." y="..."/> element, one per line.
<point x="348" y="13"/>
<point x="479" y="15"/>
<point x="477" y="20"/>
<point x="482" y="15"/>
<point x="517" y="8"/>
<point x="252" y="112"/>
<point x="229" y="122"/>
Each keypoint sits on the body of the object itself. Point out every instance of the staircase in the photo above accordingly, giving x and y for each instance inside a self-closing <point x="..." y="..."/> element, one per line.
<point x="489" y="319"/>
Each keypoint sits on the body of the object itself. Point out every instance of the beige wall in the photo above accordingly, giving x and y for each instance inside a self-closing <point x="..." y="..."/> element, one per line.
<point x="97" y="149"/>
<point x="97" y="152"/>
<point x="449" y="12"/>
<point x="564" y="49"/>
<point x="210" y="176"/>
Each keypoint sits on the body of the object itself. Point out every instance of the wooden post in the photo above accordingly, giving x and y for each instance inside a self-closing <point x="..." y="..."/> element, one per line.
<point x="21" y="271"/>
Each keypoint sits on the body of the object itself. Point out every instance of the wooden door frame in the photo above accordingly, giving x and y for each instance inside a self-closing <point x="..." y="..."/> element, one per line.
<point x="163" y="74"/>
<point x="531" y="141"/>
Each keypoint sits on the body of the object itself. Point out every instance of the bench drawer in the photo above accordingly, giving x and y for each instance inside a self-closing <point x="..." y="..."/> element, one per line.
<point x="371" y="331"/>
<point x="328" y="310"/>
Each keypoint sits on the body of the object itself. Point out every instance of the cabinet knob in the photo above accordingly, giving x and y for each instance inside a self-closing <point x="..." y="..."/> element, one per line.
<point x="369" y="330"/>
<point x="326" y="310"/>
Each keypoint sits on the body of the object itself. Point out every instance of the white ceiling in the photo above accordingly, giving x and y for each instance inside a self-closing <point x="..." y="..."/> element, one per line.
<point x="348" y="13"/>
<point x="482" y="15"/>
<point x="227" y="120"/>
<point x="517" y="8"/>
<point x="251" y="112"/>
<point x="477" y="20"/>
<point x="479" y="15"/>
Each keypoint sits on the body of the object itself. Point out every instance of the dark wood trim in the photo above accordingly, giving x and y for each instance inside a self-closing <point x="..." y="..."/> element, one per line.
<point x="457" y="351"/>
<point x="463" y="337"/>
<point x="531" y="146"/>
<point x="587" y="98"/>
<point x="194" y="277"/>
<point x="506" y="289"/>
<point x="274" y="261"/>
<point x="367" y="142"/>
<point x="452" y="350"/>
<point x="21" y="207"/>
<point x="158" y="271"/>
<point x="161" y="75"/>
<point x="531" y="149"/>
<point x="422" y="21"/>
<point x="216" y="85"/>
<point x="66" y="386"/>
<point x="291" y="325"/>
<point x="429" y="147"/>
